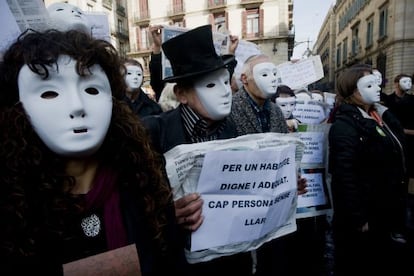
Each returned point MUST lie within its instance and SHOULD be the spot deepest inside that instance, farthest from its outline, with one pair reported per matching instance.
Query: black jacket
(367, 164)
(167, 131)
(143, 105)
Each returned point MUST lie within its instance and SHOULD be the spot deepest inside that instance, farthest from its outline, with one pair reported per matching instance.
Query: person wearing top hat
(202, 86)
(155, 67)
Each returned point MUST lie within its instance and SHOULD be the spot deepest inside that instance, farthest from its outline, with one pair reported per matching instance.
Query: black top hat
(192, 54)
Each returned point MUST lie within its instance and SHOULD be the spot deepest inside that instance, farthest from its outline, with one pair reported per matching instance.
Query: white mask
(71, 114)
(287, 104)
(378, 75)
(66, 17)
(133, 76)
(317, 97)
(265, 76)
(405, 83)
(303, 97)
(214, 93)
(369, 89)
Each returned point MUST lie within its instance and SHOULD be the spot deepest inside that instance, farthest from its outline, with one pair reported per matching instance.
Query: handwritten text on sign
(246, 193)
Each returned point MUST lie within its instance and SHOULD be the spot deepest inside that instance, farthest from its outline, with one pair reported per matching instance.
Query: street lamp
(308, 51)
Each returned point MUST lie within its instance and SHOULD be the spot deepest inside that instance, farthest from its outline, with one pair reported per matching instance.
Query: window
(122, 50)
(143, 9)
(220, 21)
(370, 32)
(383, 14)
(338, 55)
(120, 26)
(344, 50)
(178, 23)
(252, 23)
(178, 6)
(143, 39)
(355, 40)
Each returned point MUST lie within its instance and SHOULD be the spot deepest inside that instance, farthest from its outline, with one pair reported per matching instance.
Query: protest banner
(249, 188)
(301, 73)
(317, 200)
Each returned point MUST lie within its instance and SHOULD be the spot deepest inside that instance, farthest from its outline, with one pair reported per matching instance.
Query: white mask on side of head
(66, 17)
(378, 75)
(133, 76)
(214, 93)
(287, 105)
(70, 113)
(265, 76)
(406, 83)
(369, 89)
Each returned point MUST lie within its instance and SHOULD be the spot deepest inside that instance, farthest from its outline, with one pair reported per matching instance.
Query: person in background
(254, 112)
(302, 94)
(379, 79)
(401, 104)
(317, 95)
(204, 92)
(168, 100)
(367, 165)
(79, 176)
(135, 97)
(285, 98)
(402, 84)
(309, 238)
(155, 67)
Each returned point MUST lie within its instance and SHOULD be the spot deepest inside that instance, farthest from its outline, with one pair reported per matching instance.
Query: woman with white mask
(79, 177)
(367, 165)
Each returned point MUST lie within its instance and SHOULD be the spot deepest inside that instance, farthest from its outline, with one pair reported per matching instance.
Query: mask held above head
(65, 17)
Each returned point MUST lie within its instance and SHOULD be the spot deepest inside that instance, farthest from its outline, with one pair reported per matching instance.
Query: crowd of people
(84, 173)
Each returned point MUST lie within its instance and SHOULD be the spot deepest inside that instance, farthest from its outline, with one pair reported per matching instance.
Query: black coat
(143, 105)
(167, 131)
(367, 165)
(54, 251)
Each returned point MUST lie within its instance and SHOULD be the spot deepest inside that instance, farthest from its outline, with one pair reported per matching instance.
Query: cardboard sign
(123, 261)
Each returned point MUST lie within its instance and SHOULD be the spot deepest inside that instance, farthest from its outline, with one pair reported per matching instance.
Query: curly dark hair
(34, 197)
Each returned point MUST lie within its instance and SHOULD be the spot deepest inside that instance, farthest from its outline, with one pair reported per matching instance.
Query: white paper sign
(310, 111)
(212, 168)
(251, 192)
(301, 73)
(316, 192)
(314, 146)
(8, 34)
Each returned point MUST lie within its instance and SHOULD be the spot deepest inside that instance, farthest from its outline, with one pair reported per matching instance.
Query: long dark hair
(33, 198)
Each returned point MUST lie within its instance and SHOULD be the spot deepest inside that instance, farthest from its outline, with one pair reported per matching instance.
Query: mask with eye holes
(214, 92)
(265, 76)
(70, 113)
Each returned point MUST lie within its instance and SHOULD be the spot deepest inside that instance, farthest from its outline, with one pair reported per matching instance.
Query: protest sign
(317, 200)
(249, 187)
(301, 73)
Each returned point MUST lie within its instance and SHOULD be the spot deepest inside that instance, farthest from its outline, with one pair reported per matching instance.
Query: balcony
(107, 4)
(142, 18)
(120, 10)
(216, 5)
(251, 3)
(176, 10)
(121, 33)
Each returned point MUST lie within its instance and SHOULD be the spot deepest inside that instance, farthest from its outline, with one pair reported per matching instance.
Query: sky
(308, 16)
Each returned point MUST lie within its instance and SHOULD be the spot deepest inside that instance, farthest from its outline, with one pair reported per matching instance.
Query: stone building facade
(376, 32)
